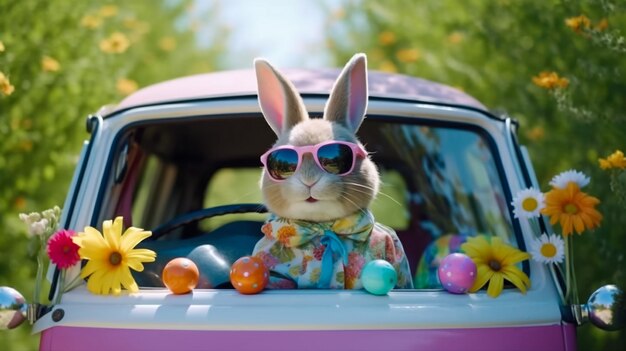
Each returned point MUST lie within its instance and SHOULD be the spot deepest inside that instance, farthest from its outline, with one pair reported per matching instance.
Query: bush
(570, 116)
(60, 61)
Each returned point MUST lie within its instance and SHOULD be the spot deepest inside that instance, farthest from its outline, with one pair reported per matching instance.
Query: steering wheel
(194, 216)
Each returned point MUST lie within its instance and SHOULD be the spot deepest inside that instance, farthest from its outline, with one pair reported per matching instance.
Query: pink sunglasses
(335, 157)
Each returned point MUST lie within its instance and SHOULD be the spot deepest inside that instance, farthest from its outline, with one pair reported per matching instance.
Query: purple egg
(457, 273)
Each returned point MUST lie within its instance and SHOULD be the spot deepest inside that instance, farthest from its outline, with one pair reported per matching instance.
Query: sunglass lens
(282, 164)
(335, 158)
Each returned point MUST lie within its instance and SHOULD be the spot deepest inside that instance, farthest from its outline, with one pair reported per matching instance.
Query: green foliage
(42, 120)
(492, 50)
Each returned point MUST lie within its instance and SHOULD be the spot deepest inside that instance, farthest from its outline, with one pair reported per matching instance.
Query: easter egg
(180, 275)
(457, 273)
(379, 277)
(249, 275)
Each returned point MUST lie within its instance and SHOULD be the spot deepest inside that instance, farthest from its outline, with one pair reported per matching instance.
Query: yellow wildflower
(615, 160)
(111, 255)
(130, 23)
(167, 43)
(536, 133)
(388, 66)
(1, 46)
(91, 21)
(578, 24)
(108, 11)
(48, 64)
(496, 262)
(408, 55)
(573, 209)
(455, 37)
(126, 86)
(117, 43)
(5, 85)
(19, 203)
(602, 25)
(550, 80)
(386, 38)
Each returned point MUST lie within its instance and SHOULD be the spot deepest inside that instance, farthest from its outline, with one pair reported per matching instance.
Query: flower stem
(61, 287)
(40, 266)
(571, 291)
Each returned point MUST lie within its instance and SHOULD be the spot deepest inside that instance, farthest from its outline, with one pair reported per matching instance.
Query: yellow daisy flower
(126, 86)
(550, 80)
(5, 85)
(572, 208)
(111, 255)
(387, 38)
(495, 262)
(108, 11)
(117, 43)
(408, 55)
(455, 37)
(578, 24)
(48, 64)
(90, 21)
(602, 25)
(614, 160)
(167, 43)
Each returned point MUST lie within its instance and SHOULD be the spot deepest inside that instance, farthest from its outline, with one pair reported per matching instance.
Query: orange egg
(249, 275)
(180, 275)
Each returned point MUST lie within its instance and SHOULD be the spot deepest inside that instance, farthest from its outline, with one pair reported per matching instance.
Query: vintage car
(181, 158)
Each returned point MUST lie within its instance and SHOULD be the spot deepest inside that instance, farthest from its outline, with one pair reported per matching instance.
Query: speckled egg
(249, 275)
(379, 277)
(457, 273)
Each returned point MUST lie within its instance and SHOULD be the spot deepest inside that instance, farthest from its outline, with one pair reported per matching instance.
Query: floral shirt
(301, 254)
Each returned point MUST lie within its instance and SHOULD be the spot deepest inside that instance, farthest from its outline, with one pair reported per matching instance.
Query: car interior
(194, 182)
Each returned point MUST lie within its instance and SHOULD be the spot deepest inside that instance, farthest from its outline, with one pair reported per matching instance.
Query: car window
(441, 183)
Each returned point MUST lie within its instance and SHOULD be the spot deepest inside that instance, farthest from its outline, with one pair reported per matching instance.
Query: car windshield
(440, 184)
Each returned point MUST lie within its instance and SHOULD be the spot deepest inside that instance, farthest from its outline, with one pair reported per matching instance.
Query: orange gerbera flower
(572, 208)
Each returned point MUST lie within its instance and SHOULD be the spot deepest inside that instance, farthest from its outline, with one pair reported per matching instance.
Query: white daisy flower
(561, 180)
(547, 249)
(528, 203)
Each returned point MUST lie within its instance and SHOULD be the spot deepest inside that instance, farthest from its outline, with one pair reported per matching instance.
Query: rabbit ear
(348, 99)
(281, 104)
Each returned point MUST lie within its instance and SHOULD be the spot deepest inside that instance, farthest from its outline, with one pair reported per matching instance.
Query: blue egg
(379, 277)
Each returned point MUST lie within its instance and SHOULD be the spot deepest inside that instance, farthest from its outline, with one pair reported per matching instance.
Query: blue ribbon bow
(334, 250)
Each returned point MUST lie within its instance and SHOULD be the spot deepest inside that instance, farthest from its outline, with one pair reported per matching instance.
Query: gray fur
(338, 196)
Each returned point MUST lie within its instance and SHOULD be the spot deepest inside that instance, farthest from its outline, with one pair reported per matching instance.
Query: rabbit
(318, 183)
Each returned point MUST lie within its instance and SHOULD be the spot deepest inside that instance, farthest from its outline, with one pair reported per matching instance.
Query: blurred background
(62, 59)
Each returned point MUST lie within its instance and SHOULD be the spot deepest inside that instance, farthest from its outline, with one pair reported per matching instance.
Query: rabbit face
(312, 193)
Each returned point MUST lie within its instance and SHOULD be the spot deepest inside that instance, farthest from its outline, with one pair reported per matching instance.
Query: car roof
(307, 81)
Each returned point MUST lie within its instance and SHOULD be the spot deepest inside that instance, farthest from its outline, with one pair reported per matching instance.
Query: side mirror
(606, 308)
(13, 308)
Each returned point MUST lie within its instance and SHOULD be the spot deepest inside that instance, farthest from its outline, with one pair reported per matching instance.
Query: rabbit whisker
(370, 188)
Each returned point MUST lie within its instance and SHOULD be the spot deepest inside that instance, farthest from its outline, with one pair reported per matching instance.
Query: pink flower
(355, 265)
(269, 260)
(62, 250)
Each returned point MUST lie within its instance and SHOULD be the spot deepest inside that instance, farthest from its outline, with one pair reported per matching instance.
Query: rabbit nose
(309, 182)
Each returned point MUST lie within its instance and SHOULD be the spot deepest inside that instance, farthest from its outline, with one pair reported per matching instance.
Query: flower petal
(483, 275)
(133, 236)
(517, 277)
(143, 255)
(496, 283)
(127, 280)
(113, 232)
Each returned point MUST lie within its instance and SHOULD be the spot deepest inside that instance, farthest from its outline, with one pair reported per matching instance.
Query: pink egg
(457, 273)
